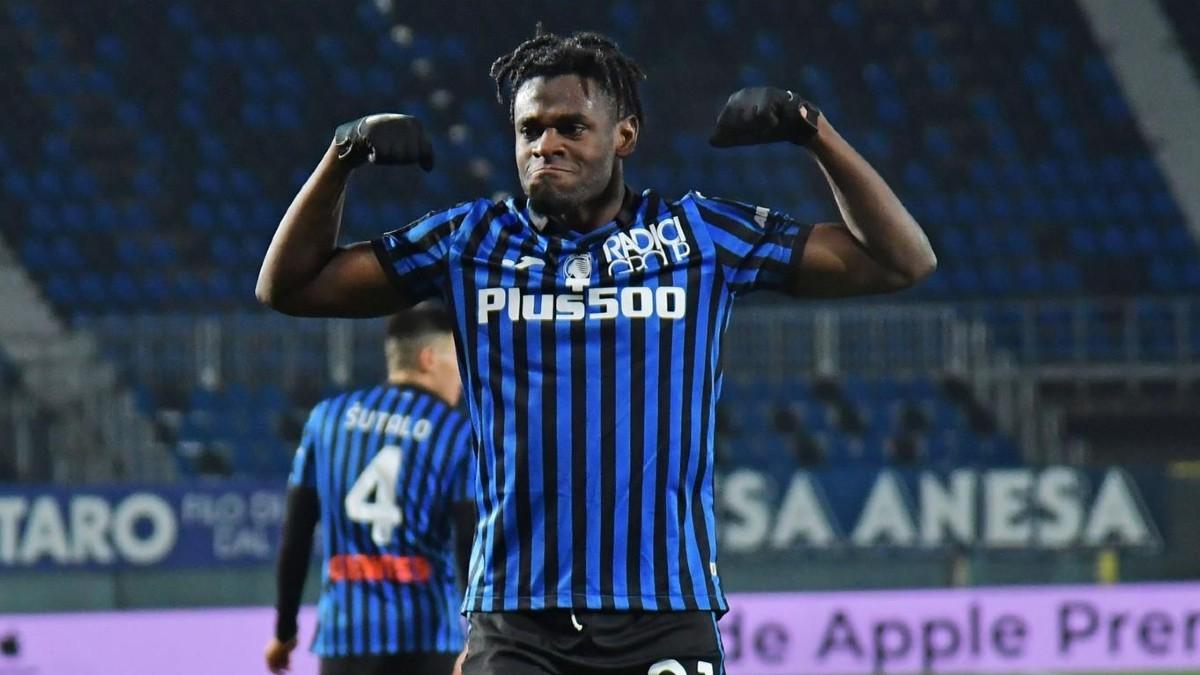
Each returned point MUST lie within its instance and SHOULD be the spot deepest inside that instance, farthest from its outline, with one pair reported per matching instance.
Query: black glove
(764, 115)
(386, 138)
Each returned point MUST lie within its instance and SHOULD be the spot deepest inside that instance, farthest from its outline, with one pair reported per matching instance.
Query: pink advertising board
(181, 642)
(1003, 630)
(1126, 628)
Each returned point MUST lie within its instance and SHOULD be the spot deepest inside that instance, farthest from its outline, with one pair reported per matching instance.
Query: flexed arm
(879, 247)
(304, 272)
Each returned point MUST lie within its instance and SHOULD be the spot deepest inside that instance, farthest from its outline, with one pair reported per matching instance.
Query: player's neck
(420, 380)
(599, 211)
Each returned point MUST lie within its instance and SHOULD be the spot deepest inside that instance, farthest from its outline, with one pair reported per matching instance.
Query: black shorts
(556, 642)
(426, 663)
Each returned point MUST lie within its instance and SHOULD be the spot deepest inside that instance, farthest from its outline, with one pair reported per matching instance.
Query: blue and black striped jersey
(387, 463)
(592, 365)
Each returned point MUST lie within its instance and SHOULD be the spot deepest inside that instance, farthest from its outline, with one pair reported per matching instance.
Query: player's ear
(427, 358)
(626, 133)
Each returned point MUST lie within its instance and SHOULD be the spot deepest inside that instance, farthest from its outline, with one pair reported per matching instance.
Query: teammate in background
(589, 319)
(389, 474)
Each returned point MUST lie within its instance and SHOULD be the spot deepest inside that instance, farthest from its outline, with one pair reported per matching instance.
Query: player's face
(567, 140)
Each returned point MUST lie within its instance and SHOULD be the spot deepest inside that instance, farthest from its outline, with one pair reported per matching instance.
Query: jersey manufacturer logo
(631, 251)
(761, 213)
(577, 271)
(525, 262)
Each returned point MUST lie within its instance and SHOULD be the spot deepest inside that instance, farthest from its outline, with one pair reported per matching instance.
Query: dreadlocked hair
(586, 54)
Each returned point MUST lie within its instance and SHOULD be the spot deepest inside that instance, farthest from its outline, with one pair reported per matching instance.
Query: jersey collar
(415, 388)
(631, 200)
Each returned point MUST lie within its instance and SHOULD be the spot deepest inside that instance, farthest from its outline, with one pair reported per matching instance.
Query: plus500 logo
(635, 302)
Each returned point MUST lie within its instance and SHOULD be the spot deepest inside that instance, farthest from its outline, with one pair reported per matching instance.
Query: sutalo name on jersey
(633, 302)
(402, 426)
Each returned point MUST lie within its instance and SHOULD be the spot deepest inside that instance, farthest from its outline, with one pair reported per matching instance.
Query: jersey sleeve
(304, 464)
(756, 246)
(414, 256)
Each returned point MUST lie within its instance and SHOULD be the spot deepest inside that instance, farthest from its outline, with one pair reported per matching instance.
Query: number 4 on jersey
(377, 483)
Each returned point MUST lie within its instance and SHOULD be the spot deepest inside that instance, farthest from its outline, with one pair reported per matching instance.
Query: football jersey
(592, 368)
(387, 464)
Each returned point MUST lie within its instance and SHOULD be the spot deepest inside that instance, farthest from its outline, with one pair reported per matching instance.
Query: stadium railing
(999, 349)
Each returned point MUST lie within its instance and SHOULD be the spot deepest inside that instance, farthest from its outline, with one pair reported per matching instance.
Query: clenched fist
(384, 138)
(757, 115)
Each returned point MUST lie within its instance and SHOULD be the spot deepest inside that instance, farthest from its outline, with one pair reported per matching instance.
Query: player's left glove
(757, 115)
(385, 138)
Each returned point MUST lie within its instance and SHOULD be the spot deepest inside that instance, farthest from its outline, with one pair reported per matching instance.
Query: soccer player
(589, 320)
(389, 473)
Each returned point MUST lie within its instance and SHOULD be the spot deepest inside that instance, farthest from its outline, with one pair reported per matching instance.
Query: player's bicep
(836, 264)
(352, 283)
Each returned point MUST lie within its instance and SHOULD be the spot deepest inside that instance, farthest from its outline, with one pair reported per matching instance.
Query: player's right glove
(385, 138)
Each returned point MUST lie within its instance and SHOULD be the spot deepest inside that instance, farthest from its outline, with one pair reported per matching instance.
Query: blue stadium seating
(241, 425)
(775, 419)
(999, 204)
(137, 190)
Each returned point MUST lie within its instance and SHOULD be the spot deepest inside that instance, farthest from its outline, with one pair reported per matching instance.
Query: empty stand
(160, 143)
